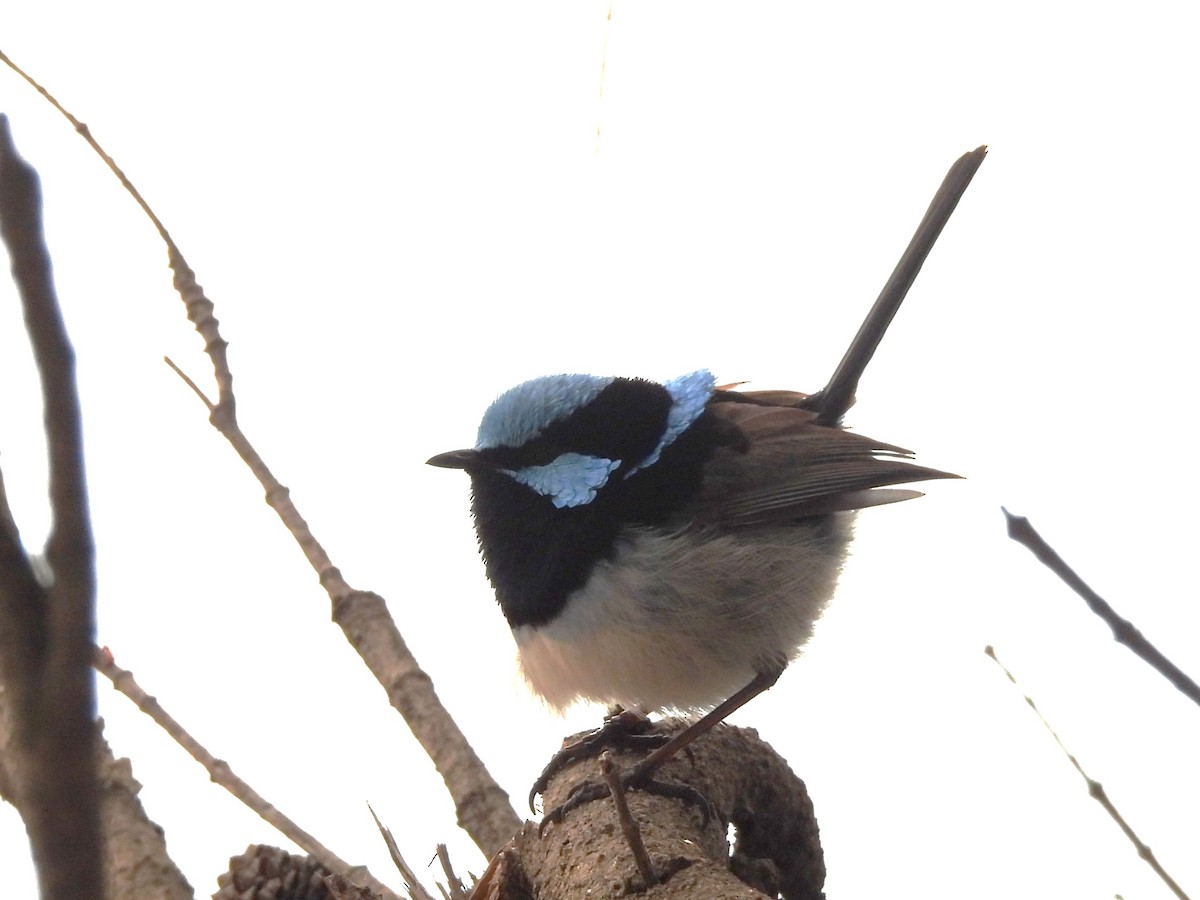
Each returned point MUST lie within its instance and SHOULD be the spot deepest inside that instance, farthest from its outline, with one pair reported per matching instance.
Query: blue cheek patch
(690, 394)
(571, 480)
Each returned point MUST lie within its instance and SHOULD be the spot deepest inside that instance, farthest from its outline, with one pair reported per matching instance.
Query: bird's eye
(537, 452)
(540, 453)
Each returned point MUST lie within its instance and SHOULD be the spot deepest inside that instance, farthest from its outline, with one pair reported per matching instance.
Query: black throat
(537, 554)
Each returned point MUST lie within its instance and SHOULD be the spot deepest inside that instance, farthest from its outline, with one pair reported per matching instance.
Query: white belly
(681, 622)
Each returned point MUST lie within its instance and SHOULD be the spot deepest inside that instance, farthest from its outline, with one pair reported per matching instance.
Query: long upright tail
(831, 402)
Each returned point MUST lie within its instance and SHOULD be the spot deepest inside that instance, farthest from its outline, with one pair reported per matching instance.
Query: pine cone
(268, 873)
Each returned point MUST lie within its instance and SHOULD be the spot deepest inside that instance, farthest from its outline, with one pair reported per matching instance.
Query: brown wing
(787, 467)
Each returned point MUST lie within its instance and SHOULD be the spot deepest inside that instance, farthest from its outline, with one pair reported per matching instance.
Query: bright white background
(403, 209)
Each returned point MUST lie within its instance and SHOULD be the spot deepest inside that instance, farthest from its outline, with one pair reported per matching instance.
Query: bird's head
(568, 437)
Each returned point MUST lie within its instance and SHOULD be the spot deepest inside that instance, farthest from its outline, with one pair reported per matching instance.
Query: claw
(636, 778)
(584, 792)
(623, 730)
(680, 791)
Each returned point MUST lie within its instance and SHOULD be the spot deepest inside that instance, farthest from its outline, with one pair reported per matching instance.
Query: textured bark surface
(136, 863)
(776, 851)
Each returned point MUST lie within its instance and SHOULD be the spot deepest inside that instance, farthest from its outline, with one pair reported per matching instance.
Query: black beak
(456, 459)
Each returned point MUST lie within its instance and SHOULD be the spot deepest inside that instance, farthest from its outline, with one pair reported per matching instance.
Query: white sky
(400, 210)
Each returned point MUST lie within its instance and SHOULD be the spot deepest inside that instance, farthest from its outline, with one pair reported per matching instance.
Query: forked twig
(482, 806)
(46, 631)
(199, 307)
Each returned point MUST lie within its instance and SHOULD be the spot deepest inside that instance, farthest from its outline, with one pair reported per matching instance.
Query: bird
(657, 545)
(669, 545)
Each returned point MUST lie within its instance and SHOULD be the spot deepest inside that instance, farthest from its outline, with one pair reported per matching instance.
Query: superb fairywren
(659, 545)
(671, 545)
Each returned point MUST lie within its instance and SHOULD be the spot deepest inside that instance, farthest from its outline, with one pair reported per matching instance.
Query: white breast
(682, 621)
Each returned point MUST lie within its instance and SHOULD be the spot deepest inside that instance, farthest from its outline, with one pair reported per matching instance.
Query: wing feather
(786, 467)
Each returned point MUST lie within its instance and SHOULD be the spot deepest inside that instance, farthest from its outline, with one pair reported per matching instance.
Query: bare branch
(1124, 631)
(199, 307)
(220, 773)
(483, 808)
(46, 633)
(136, 863)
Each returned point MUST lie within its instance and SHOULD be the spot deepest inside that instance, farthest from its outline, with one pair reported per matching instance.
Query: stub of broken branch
(777, 850)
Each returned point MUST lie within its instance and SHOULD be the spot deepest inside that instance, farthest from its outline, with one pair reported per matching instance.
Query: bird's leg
(623, 729)
(761, 682)
(639, 776)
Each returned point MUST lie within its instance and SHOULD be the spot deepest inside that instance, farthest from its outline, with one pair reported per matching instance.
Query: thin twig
(220, 773)
(199, 307)
(482, 806)
(629, 825)
(188, 381)
(1095, 788)
(46, 632)
(1124, 631)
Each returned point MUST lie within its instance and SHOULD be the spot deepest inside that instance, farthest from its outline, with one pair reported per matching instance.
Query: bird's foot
(623, 729)
(639, 778)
